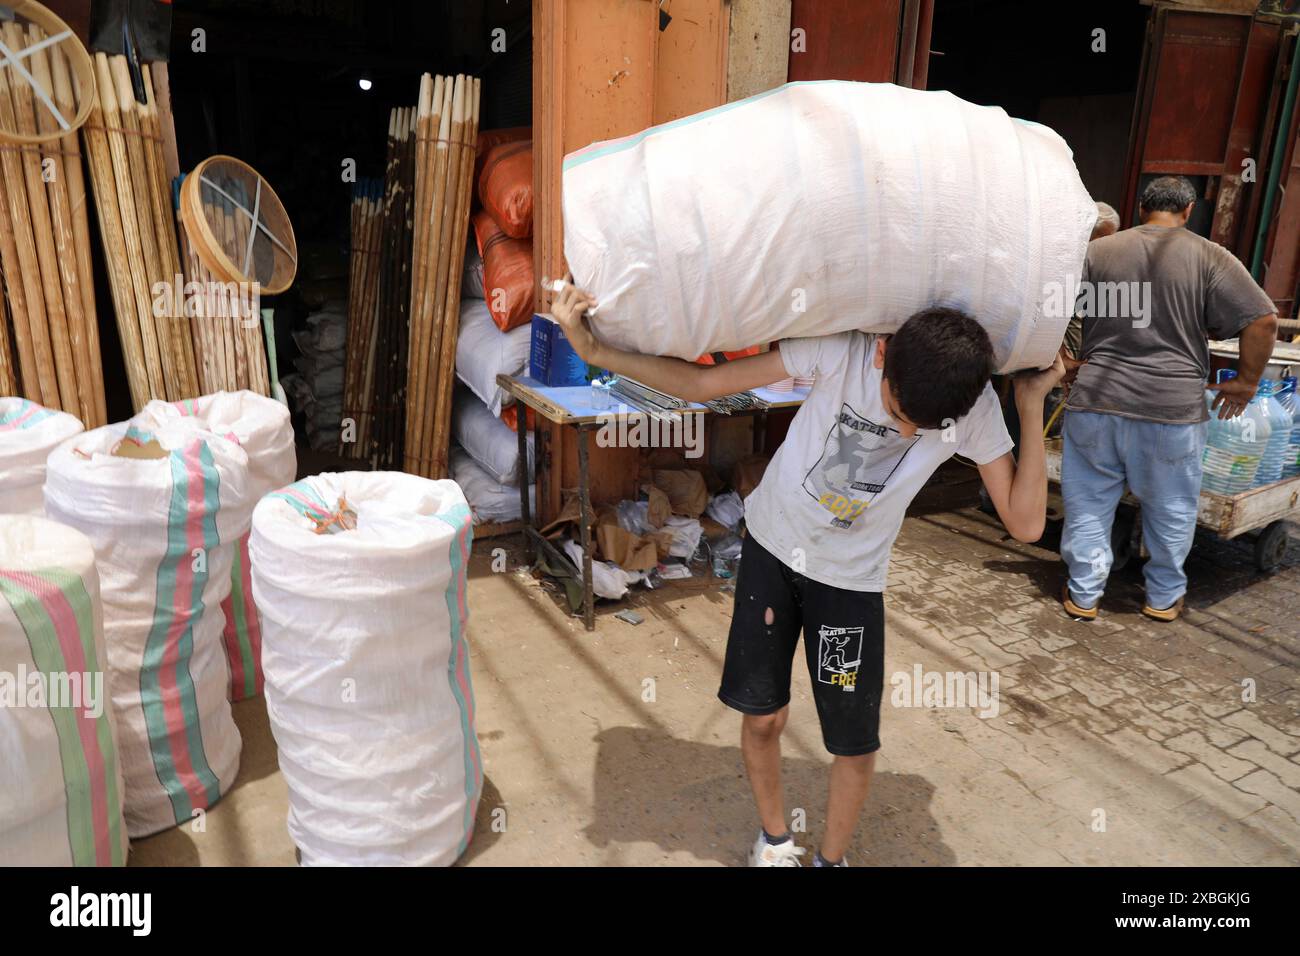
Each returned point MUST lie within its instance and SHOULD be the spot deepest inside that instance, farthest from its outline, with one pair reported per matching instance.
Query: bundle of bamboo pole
(447, 133)
(138, 226)
(224, 317)
(363, 286)
(49, 336)
(392, 315)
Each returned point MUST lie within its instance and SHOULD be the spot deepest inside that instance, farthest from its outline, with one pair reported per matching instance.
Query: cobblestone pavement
(1119, 742)
(1182, 739)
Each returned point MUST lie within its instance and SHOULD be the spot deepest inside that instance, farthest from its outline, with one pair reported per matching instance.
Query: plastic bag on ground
(367, 666)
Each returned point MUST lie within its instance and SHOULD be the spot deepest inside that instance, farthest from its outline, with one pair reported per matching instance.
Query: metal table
(571, 407)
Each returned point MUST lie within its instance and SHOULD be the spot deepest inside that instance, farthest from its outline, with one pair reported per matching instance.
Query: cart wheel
(1270, 546)
(1121, 538)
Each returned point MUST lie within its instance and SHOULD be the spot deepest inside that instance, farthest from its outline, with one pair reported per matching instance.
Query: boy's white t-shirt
(834, 496)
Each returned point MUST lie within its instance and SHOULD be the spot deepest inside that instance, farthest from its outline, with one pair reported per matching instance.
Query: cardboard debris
(629, 551)
(660, 506)
(686, 490)
(747, 474)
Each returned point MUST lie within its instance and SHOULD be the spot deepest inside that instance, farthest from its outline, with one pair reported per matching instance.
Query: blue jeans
(1161, 465)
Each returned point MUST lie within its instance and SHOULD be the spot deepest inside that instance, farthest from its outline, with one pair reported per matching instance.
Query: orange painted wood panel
(691, 70)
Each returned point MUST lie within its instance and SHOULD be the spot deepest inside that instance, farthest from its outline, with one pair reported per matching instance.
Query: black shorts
(844, 642)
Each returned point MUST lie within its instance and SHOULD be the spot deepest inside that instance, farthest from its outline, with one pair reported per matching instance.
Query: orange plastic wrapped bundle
(507, 273)
(506, 188)
(489, 138)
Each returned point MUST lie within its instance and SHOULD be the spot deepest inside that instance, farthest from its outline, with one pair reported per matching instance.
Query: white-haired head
(1107, 221)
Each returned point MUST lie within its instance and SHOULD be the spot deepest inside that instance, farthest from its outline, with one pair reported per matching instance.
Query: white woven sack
(164, 531)
(61, 787)
(262, 427)
(488, 439)
(367, 666)
(28, 433)
(821, 207)
(483, 352)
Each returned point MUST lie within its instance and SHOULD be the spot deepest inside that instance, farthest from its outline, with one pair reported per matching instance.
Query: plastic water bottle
(1279, 439)
(1234, 447)
(1291, 402)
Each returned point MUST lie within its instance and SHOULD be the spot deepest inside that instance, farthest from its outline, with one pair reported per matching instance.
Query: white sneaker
(782, 854)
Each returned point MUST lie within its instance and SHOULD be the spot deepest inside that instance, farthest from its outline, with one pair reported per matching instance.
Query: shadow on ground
(684, 797)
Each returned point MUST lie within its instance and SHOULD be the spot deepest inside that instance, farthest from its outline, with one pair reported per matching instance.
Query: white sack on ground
(28, 433)
(260, 426)
(164, 531)
(489, 500)
(487, 438)
(367, 666)
(822, 207)
(483, 352)
(61, 786)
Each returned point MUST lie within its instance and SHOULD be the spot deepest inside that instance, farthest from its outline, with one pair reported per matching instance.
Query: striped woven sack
(261, 426)
(28, 433)
(61, 789)
(163, 512)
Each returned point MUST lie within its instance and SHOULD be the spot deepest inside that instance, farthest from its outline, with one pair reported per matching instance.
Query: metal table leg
(525, 512)
(584, 493)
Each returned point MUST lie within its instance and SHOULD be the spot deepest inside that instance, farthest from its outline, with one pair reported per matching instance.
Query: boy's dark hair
(1168, 194)
(937, 364)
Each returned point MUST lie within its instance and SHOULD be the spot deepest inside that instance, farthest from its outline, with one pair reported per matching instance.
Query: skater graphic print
(858, 459)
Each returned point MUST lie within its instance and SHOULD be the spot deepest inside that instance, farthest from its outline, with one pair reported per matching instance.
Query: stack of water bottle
(1257, 447)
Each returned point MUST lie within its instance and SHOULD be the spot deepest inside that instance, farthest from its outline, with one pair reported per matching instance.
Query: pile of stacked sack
(317, 387)
(495, 315)
(143, 589)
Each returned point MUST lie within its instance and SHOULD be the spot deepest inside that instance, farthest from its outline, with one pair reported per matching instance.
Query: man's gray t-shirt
(1174, 291)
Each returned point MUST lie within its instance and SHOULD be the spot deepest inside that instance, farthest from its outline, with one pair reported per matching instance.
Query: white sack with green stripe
(60, 783)
(28, 433)
(360, 578)
(165, 524)
(260, 426)
(822, 207)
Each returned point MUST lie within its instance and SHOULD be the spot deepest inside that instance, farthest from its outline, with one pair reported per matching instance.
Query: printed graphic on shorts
(859, 458)
(839, 653)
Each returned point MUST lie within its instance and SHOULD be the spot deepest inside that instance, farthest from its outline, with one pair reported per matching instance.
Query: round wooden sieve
(57, 109)
(238, 226)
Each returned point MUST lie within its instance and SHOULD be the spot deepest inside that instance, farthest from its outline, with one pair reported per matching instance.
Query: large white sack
(822, 207)
(488, 439)
(28, 433)
(489, 500)
(164, 532)
(367, 666)
(483, 352)
(262, 427)
(60, 786)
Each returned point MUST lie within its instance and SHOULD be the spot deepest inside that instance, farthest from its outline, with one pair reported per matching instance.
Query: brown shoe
(1164, 614)
(1073, 610)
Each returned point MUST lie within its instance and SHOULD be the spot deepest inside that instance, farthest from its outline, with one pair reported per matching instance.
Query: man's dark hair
(937, 364)
(1168, 194)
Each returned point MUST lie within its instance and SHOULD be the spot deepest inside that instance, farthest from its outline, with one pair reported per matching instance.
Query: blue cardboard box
(552, 360)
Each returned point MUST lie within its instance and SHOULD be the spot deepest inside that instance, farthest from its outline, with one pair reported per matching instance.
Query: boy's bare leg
(760, 744)
(850, 783)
